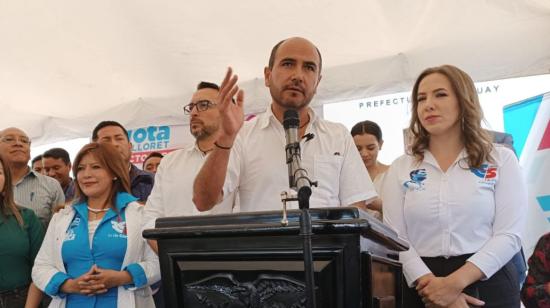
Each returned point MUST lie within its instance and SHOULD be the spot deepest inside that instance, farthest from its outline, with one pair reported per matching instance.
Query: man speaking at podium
(251, 157)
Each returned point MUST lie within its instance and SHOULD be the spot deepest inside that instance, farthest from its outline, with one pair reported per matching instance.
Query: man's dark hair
(36, 158)
(152, 154)
(103, 124)
(207, 85)
(274, 54)
(58, 153)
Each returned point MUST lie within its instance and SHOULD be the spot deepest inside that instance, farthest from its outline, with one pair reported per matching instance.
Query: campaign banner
(529, 122)
(161, 138)
(157, 138)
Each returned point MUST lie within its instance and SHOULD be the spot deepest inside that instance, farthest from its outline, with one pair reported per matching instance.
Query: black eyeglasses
(201, 106)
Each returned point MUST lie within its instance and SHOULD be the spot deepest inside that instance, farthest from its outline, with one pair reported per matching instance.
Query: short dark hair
(36, 158)
(58, 153)
(207, 85)
(152, 154)
(103, 124)
(274, 54)
(367, 127)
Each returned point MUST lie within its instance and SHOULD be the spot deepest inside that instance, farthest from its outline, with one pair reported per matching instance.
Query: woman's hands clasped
(96, 281)
(444, 292)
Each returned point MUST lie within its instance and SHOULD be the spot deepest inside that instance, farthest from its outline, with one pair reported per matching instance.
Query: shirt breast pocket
(326, 171)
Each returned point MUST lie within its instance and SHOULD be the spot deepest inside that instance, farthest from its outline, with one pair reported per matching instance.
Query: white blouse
(378, 181)
(92, 226)
(460, 211)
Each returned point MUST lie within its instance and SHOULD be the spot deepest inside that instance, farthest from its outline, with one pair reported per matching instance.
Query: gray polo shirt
(39, 193)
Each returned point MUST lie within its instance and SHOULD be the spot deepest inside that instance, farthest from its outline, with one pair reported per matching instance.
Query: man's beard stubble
(205, 132)
(278, 99)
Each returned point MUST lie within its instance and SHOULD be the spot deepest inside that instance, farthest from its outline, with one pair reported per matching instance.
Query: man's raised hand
(231, 110)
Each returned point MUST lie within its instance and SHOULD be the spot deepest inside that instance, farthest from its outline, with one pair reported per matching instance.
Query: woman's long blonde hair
(7, 201)
(477, 141)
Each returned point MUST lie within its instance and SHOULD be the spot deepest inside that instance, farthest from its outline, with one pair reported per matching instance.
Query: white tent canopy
(65, 65)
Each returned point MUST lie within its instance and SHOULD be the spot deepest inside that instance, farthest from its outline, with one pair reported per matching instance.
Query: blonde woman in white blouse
(458, 200)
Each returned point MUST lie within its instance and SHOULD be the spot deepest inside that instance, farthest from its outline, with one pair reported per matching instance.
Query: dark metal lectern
(250, 260)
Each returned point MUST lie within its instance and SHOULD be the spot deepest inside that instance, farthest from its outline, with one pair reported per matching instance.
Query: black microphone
(291, 123)
(297, 176)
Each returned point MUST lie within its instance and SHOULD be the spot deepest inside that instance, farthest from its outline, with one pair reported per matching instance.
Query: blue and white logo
(119, 226)
(418, 176)
(70, 235)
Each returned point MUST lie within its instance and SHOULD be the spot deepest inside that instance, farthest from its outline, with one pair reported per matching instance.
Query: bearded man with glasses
(173, 192)
(32, 190)
(172, 195)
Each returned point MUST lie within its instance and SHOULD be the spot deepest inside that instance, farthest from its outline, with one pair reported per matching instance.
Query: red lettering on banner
(139, 157)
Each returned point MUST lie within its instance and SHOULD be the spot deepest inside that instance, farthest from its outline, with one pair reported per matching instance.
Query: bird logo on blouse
(119, 226)
(70, 235)
(487, 173)
(417, 177)
(74, 223)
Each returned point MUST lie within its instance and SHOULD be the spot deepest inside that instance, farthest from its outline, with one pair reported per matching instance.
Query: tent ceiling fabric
(65, 65)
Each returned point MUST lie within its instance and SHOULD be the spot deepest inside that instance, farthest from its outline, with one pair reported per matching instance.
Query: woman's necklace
(96, 211)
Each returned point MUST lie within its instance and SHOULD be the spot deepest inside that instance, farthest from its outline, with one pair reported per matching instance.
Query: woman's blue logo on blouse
(487, 173)
(417, 177)
(119, 226)
(75, 223)
(70, 234)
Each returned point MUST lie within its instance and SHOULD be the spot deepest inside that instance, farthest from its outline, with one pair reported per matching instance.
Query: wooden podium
(251, 260)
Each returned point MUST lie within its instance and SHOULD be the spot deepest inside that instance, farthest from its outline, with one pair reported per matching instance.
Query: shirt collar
(121, 201)
(268, 117)
(430, 159)
(195, 148)
(30, 173)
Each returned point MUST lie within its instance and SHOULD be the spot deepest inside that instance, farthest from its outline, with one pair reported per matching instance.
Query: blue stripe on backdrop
(544, 202)
(518, 119)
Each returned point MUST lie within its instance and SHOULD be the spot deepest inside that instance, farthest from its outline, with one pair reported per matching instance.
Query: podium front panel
(250, 260)
(265, 271)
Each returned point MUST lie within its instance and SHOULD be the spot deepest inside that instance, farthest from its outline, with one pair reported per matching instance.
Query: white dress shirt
(172, 194)
(456, 212)
(258, 169)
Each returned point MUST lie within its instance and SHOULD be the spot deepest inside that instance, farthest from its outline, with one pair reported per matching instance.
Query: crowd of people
(455, 196)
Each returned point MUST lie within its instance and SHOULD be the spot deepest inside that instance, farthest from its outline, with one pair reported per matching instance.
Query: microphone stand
(299, 180)
(306, 233)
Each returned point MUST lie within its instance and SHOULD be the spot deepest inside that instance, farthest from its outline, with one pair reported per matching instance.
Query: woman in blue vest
(93, 254)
